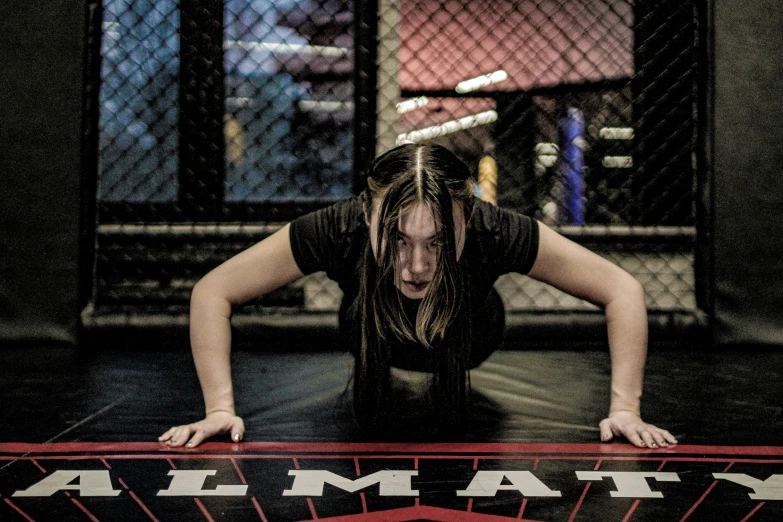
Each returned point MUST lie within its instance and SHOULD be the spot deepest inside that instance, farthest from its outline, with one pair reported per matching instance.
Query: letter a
(91, 484)
(487, 484)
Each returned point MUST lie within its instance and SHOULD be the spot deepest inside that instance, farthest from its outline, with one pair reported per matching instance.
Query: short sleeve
(321, 239)
(507, 240)
(518, 242)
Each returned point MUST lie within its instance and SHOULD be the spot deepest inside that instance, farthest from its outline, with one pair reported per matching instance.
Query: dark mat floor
(724, 407)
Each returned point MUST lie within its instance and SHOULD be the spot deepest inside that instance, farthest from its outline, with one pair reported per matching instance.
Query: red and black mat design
(363, 482)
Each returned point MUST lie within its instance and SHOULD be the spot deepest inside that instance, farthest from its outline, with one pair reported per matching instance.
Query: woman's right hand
(191, 435)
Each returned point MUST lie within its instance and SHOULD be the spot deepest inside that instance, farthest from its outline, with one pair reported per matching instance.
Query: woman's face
(418, 246)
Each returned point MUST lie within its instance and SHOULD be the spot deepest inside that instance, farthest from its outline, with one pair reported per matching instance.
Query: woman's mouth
(416, 287)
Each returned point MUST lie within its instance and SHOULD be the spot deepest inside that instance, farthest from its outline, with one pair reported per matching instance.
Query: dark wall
(748, 172)
(41, 72)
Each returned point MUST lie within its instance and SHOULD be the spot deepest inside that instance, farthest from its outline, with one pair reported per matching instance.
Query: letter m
(310, 482)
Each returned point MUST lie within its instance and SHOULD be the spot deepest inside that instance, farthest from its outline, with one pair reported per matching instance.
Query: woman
(416, 256)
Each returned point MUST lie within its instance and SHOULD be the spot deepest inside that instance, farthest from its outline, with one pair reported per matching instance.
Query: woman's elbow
(205, 291)
(628, 287)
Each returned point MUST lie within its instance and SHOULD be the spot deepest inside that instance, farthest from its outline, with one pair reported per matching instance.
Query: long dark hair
(413, 174)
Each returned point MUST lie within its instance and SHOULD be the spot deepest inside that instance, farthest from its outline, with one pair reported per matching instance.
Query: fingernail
(236, 437)
(189, 444)
(643, 444)
(654, 445)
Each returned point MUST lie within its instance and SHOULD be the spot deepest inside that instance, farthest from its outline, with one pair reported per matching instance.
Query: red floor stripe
(701, 499)
(522, 509)
(259, 510)
(38, 465)
(203, 509)
(15, 508)
(171, 463)
(582, 497)
(747, 517)
(309, 500)
(133, 495)
(416, 466)
(579, 503)
(638, 501)
(312, 508)
(80, 506)
(236, 467)
(203, 456)
(524, 502)
(419, 513)
(143, 507)
(470, 505)
(364, 447)
(359, 474)
(630, 511)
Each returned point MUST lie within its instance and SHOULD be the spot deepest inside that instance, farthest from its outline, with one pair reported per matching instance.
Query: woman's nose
(420, 262)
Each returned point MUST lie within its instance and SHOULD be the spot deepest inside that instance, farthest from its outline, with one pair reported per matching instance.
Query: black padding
(748, 172)
(41, 85)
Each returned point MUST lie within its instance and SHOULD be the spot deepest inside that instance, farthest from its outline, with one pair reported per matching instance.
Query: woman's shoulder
(489, 218)
(349, 213)
(329, 239)
(507, 237)
(342, 217)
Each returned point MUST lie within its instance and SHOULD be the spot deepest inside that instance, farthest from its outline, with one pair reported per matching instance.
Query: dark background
(42, 51)
(47, 170)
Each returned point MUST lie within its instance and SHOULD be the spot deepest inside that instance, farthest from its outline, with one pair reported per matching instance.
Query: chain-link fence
(220, 120)
(580, 113)
(139, 101)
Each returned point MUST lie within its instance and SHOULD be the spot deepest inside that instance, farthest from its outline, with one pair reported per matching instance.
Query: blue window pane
(289, 91)
(139, 96)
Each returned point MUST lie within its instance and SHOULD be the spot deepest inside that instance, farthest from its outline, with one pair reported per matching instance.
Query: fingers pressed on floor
(635, 439)
(649, 440)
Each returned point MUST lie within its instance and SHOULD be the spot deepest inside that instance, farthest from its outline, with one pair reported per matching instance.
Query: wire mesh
(231, 114)
(289, 100)
(139, 101)
(578, 113)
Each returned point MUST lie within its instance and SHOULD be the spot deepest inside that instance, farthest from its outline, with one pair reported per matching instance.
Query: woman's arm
(260, 269)
(586, 275)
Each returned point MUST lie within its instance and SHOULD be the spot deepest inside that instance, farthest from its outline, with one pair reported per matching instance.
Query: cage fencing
(221, 120)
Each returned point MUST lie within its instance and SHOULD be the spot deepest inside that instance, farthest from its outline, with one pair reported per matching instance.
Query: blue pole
(572, 127)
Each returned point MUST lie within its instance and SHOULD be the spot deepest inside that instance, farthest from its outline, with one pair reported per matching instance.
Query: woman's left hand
(633, 428)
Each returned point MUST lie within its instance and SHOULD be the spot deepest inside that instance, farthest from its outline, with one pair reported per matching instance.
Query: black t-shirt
(497, 242)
